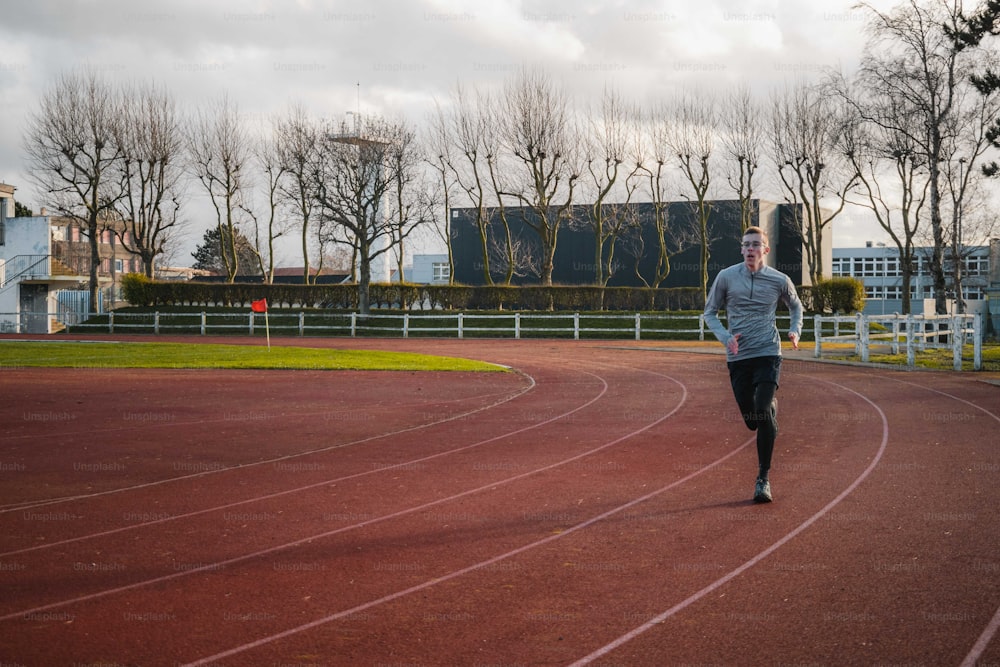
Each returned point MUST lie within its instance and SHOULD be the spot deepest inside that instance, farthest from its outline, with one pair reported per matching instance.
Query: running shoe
(762, 491)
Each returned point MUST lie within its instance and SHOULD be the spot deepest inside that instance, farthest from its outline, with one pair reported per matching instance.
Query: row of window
(133, 265)
(76, 235)
(890, 267)
(925, 292)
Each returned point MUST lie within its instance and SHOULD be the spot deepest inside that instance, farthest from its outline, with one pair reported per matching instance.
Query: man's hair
(756, 230)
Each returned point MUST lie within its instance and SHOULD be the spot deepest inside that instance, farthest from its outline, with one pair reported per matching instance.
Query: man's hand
(734, 344)
(794, 337)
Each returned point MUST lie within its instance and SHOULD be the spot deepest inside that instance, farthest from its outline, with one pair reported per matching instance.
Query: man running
(749, 292)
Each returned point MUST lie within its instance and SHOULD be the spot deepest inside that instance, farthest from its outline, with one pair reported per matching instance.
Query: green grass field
(188, 355)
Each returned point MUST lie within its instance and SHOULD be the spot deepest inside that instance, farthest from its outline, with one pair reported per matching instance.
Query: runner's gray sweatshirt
(750, 300)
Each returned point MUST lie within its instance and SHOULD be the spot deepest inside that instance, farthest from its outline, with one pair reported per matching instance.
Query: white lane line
(491, 561)
(684, 604)
(993, 626)
(305, 540)
(245, 466)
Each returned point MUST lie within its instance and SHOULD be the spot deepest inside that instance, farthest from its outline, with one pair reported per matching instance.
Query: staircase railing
(20, 266)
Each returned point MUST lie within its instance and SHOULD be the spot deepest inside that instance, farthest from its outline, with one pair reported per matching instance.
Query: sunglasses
(752, 244)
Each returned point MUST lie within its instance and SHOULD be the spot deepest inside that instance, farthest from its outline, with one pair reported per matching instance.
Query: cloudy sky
(397, 57)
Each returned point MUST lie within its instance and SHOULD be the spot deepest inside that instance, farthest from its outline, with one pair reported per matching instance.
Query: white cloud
(401, 55)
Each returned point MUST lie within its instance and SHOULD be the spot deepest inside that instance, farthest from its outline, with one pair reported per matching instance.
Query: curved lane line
(334, 480)
(680, 606)
(55, 501)
(385, 517)
(993, 626)
(491, 561)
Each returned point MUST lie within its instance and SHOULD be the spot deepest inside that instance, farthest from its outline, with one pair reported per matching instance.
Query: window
(977, 266)
(441, 273)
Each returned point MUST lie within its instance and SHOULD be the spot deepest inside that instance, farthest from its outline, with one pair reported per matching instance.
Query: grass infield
(190, 355)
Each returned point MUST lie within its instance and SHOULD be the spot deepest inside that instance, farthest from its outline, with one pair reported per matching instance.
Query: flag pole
(260, 306)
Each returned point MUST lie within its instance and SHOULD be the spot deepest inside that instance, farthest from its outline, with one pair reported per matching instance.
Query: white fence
(914, 332)
(513, 325)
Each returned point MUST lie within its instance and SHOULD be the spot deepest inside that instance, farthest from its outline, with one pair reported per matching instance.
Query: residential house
(45, 266)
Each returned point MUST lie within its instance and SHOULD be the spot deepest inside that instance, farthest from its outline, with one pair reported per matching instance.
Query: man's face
(754, 247)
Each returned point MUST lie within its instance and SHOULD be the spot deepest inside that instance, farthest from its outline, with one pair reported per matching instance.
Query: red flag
(259, 306)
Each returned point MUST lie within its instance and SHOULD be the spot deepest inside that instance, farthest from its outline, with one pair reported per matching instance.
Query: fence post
(861, 337)
(957, 339)
(461, 333)
(517, 326)
(894, 347)
(977, 342)
(576, 326)
(111, 322)
(156, 322)
(203, 323)
(354, 325)
(406, 325)
(818, 334)
(251, 324)
(911, 358)
(302, 323)
(638, 321)
(701, 327)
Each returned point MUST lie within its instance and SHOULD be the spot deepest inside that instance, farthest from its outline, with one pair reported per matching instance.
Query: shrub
(837, 295)
(136, 289)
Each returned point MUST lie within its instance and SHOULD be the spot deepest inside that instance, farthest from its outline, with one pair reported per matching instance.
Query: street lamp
(957, 249)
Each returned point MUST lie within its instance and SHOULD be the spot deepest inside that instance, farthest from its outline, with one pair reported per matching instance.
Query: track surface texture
(590, 507)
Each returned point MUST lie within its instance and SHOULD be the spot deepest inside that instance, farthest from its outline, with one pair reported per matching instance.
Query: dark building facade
(636, 252)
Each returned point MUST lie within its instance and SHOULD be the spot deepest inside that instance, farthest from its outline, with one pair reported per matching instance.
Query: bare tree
(499, 163)
(462, 133)
(150, 137)
(516, 257)
(267, 157)
(72, 153)
(805, 126)
(968, 141)
(691, 137)
(653, 157)
(410, 204)
(440, 155)
(297, 142)
(539, 132)
(915, 55)
(352, 177)
(606, 145)
(742, 134)
(892, 177)
(220, 153)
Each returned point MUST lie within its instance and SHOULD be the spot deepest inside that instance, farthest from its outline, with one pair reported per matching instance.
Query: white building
(878, 267)
(28, 284)
(429, 270)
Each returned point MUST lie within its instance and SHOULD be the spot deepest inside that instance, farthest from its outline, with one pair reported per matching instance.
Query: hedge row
(140, 291)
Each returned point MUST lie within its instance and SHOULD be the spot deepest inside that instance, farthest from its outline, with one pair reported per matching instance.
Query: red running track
(591, 507)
